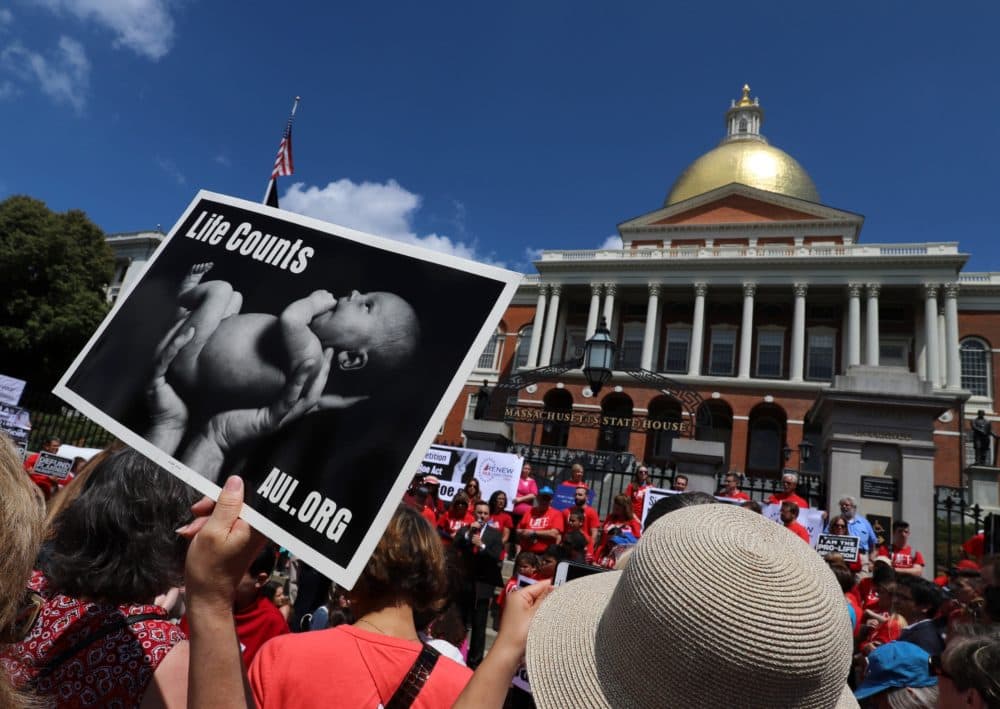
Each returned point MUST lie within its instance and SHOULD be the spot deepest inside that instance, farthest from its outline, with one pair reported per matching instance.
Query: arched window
(523, 345)
(976, 366)
(766, 442)
(490, 358)
(613, 436)
(721, 429)
(662, 409)
(556, 433)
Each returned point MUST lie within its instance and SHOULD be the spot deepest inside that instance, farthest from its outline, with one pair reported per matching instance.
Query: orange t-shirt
(347, 667)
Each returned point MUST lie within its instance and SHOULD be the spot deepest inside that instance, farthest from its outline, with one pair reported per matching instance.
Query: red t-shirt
(538, 521)
(868, 593)
(738, 495)
(902, 558)
(448, 526)
(975, 546)
(501, 521)
(590, 519)
(637, 493)
(627, 525)
(779, 497)
(799, 531)
(429, 515)
(347, 667)
(255, 625)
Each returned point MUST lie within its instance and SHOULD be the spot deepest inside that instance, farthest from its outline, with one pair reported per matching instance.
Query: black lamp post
(805, 451)
(598, 357)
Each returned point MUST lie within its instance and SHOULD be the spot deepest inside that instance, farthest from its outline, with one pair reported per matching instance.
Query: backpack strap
(415, 679)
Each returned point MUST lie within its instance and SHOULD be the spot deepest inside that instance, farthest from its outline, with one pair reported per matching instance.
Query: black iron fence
(51, 416)
(955, 522)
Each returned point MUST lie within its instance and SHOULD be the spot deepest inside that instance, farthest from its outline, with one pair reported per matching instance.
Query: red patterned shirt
(107, 653)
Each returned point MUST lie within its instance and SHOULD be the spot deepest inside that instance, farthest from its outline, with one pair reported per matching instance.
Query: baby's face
(359, 321)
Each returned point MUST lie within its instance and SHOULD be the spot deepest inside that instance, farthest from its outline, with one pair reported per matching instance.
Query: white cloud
(612, 242)
(171, 169)
(386, 209)
(532, 254)
(144, 26)
(223, 160)
(7, 90)
(64, 75)
(6, 17)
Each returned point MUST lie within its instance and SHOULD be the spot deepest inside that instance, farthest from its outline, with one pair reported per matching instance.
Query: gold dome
(744, 156)
(752, 163)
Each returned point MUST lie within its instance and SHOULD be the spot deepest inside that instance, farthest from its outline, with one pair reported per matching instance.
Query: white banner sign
(494, 471)
(811, 519)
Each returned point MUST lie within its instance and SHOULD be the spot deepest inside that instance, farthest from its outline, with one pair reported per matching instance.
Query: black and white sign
(845, 545)
(316, 361)
(16, 423)
(453, 467)
(52, 466)
(879, 488)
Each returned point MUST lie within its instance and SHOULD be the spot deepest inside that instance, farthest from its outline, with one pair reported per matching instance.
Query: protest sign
(565, 496)
(846, 545)
(11, 389)
(453, 467)
(53, 466)
(811, 519)
(654, 495)
(316, 361)
(16, 423)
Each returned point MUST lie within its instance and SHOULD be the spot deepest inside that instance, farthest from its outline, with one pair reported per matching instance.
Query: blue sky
(495, 129)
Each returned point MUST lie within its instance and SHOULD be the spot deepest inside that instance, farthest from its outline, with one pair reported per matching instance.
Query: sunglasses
(936, 668)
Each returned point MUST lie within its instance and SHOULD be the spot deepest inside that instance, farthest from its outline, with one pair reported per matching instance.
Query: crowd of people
(127, 591)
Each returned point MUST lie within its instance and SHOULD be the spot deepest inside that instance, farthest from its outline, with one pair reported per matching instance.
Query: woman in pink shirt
(527, 489)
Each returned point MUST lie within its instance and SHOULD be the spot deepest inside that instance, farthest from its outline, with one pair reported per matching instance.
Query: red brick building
(745, 287)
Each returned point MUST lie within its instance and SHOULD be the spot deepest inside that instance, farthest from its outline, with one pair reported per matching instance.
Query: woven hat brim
(847, 700)
(562, 657)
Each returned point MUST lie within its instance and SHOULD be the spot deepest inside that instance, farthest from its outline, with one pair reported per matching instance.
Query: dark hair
(264, 563)
(576, 512)
(671, 503)
(408, 565)
(753, 506)
(526, 557)
(493, 501)
(575, 541)
(924, 592)
(116, 543)
(794, 507)
(339, 616)
(882, 573)
(448, 626)
(270, 589)
(972, 661)
(900, 524)
(461, 497)
(553, 551)
(845, 577)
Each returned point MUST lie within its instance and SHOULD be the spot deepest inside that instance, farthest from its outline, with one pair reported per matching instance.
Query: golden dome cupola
(744, 156)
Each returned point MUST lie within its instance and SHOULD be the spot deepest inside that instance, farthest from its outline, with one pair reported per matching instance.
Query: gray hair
(790, 474)
(912, 698)
(848, 498)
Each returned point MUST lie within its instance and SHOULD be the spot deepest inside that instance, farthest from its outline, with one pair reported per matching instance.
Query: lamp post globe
(805, 451)
(599, 357)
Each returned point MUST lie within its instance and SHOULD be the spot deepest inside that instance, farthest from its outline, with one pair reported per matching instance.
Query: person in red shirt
(419, 498)
(636, 490)
(591, 522)
(975, 547)
(789, 516)
(457, 516)
(731, 488)
(621, 519)
(46, 484)
(575, 523)
(904, 559)
(542, 526)
(789, 481)
(575, 477)
(499, 517)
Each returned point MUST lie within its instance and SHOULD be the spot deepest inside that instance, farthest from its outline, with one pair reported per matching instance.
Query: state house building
(744, 287)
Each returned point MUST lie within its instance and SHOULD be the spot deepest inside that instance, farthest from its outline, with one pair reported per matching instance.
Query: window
(765, 442)
(630, 351)
(820, 355)
(770, 351)
(678, 346)
(894, 352)
(490, 358)
(470, 405)
(743, 125)
(573, 341)
(523, 345)
(720, 361)
(975, 359)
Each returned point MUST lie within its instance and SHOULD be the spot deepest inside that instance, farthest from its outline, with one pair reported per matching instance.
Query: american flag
(283, 164)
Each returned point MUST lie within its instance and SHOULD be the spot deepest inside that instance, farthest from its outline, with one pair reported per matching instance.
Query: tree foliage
(54, 272)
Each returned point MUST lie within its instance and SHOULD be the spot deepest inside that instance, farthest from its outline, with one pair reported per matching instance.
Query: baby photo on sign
(313, 360)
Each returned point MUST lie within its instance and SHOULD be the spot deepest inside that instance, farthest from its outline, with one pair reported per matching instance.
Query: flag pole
(283, 157)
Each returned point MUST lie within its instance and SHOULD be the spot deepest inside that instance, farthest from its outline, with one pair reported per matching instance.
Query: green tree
(54, 272)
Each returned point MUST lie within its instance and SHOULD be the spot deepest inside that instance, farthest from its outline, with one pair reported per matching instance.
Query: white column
(595, 307)
(649, 334)
(942, 349)
(853, 324)
(545, 357)
(954, 365)
(931, 334)
(536, 328)
(609, 302)
(798, 332)
(871, 325)
(697, 330)
(746, 330)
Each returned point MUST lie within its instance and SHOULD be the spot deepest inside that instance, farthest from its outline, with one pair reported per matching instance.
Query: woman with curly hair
(98, 639)
(373, 657)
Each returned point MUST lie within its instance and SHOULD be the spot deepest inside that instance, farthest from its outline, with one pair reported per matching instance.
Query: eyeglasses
(936, 668)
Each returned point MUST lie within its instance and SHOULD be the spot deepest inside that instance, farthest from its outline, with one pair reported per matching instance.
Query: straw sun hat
(717, 607)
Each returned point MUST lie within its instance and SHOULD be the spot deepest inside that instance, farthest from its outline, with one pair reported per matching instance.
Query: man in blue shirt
(858, 526)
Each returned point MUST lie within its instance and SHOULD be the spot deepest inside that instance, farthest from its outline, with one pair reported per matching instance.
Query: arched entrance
(612, 437)
(720, 414)
(766, 440)
(556, 433)
(659, 443)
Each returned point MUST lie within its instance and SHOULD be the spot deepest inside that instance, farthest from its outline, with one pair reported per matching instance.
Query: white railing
(983, 279)
(763, 251)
